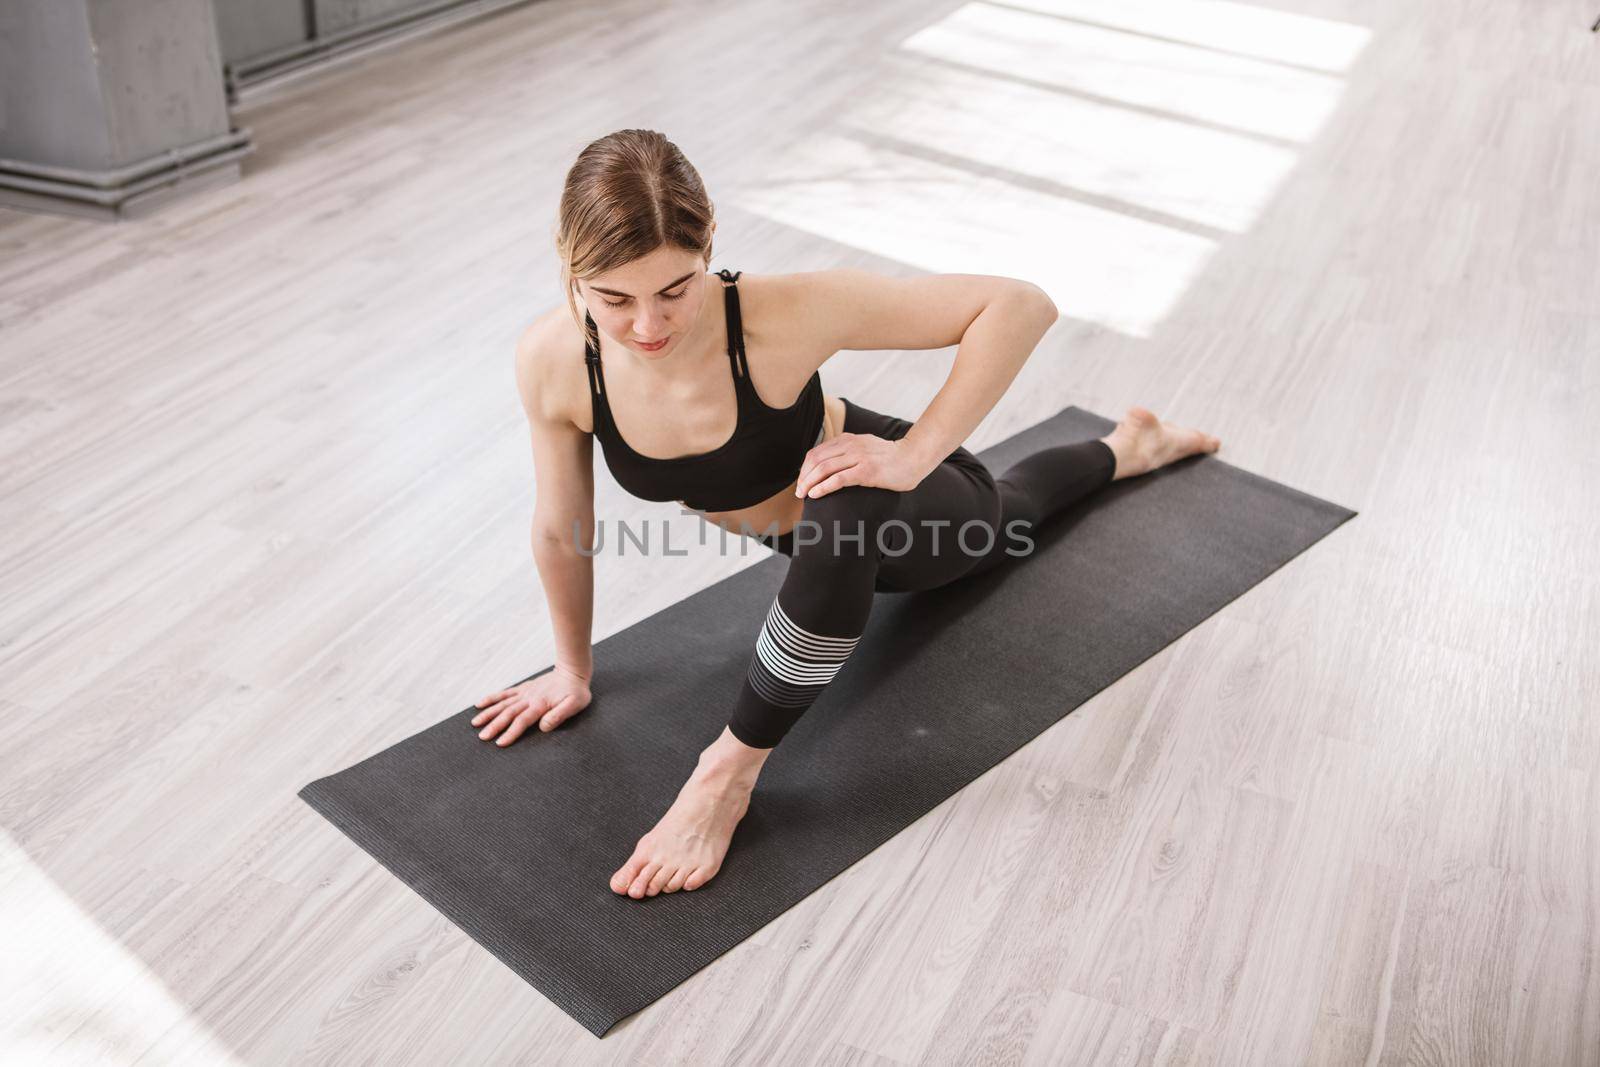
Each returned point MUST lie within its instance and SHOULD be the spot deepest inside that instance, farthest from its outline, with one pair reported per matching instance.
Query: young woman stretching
(858, 500)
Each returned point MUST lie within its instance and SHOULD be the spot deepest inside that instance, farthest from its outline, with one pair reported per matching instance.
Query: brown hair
(628, 193)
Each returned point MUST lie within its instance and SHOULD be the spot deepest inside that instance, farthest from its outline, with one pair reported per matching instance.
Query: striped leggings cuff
(788, 671)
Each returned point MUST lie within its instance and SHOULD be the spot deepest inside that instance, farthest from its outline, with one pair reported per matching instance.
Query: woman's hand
(549, 700)
(861, 459)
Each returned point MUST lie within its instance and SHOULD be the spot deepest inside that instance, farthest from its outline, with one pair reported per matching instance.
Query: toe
(679, 876)
(641, 883)
(662, 877)
(628, 872)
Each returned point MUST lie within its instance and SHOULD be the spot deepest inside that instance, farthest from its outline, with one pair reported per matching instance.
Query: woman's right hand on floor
(549, 700)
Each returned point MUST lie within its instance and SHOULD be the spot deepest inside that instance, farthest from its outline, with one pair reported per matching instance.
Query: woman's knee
(848, 520)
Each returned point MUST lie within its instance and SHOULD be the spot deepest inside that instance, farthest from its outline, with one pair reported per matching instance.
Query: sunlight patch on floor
(1225, 25)
(1098, 148)
(1099, 266)
(1248, 94)
(72, 994)
(1147, 163)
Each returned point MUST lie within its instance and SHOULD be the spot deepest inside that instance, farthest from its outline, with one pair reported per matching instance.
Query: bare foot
(1143, 443)
(686, 847)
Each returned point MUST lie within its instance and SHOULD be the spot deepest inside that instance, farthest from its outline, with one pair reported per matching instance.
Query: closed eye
(619, 303)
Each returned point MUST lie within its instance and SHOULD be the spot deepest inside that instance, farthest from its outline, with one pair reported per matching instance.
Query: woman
(858, 500)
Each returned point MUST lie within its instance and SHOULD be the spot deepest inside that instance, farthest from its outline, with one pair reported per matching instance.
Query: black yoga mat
(516, 845)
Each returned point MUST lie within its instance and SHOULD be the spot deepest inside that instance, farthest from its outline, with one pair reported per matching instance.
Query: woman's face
(655, 298)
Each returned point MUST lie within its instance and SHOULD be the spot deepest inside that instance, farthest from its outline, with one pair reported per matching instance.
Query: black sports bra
(762, 457)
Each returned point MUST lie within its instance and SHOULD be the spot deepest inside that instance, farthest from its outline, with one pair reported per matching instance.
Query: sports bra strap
(736, 353)
(591, 354)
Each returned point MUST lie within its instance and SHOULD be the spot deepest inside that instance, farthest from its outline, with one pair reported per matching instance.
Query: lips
(653, 344)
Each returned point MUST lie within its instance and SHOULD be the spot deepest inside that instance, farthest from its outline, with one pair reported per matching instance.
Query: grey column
(110, 108)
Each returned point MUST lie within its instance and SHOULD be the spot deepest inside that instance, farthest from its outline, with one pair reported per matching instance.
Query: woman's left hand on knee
(861, 459)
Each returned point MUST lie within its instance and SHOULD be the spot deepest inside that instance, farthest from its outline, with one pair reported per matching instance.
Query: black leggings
(859, 540)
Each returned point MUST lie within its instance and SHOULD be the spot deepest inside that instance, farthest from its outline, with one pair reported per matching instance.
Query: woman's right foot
(1143, 443)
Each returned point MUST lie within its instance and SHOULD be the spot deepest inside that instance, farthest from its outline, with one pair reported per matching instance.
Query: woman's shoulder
(794, 309)
(551, 375)
(767, 309)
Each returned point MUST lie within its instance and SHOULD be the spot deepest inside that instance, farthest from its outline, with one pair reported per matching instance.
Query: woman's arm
(568, 579)
(996, 322)
(563, 514)
(992, 349)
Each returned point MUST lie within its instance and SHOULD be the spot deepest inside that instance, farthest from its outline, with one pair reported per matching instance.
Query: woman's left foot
(1142, 443)
(687, 846)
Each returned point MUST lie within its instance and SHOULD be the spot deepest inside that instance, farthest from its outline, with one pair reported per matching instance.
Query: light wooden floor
(266, 491)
